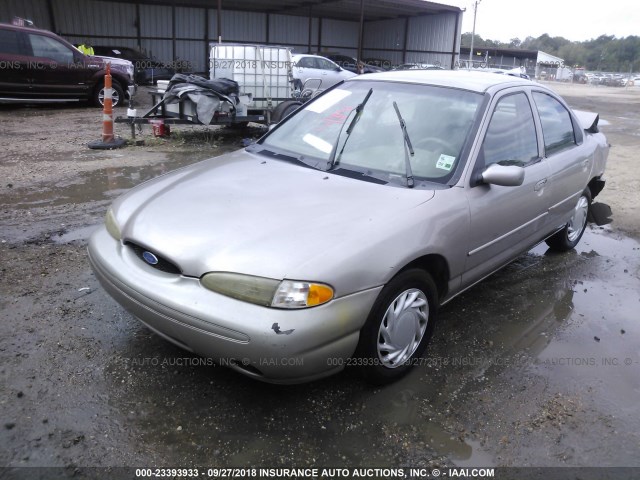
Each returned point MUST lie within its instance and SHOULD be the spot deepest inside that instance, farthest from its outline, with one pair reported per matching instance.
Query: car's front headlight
(112, 225)
(268, 292)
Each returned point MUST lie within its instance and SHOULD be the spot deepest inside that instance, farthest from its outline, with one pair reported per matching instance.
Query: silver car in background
(317, 73)
(336, 237)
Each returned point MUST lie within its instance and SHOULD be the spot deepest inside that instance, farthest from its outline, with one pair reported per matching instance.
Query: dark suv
(148, 69)
(38, 66)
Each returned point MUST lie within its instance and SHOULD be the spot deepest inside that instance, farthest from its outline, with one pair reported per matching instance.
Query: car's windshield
(438, 121)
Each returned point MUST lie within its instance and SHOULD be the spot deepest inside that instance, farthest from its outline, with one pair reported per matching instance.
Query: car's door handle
(540, 184)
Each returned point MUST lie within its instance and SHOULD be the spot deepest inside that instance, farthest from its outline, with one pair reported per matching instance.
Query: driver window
(50, 48)
(326, 64)
(511, 136)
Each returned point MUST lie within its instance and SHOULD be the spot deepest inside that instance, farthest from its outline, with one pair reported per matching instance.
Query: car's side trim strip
(502, 237)
(561, 202)
(37, 100)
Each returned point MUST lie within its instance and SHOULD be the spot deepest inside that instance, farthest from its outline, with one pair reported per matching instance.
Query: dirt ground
(538, 366)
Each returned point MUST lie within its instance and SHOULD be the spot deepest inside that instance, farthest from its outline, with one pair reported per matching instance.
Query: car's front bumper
(279, 346)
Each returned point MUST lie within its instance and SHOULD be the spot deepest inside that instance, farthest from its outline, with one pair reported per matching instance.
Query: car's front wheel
(399, 327)
(570, 235)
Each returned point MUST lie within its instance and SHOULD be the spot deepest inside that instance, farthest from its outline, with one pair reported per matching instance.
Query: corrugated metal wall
(338, 33)
(432, 33)
(429, 38)
(288, 30)
(240, 26)
(34, 10)
(385, 34)
(103, 19)
(189, 22)
(155, 21)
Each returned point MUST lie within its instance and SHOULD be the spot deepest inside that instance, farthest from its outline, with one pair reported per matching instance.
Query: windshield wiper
(407, 147)
(333, 159)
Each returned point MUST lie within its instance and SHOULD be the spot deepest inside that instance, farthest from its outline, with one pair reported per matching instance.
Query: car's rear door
(568, 157)
(306, 68)
(506, 220)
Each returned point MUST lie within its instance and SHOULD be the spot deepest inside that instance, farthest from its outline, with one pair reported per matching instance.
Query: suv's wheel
(399, 327)
(117, 95)
(570, 235)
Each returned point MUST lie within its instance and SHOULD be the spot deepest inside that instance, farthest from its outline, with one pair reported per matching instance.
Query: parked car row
(351, 64)
(611, 79)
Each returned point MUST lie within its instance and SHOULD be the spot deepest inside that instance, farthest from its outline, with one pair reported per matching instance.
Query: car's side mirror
(506, 176)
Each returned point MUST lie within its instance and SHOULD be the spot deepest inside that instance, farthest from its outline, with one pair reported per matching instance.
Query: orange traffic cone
(108, 140)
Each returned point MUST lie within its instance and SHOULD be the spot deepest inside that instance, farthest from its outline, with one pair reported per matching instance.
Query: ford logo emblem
(150, 258)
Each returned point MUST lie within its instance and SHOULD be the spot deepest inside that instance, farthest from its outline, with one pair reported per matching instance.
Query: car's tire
(567, 238)
(117, 95)
(398, 328)
(283, 110)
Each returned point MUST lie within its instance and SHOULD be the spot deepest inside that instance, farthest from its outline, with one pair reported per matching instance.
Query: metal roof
(336, 9)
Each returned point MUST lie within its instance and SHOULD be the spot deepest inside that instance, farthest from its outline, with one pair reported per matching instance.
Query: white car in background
(317, 73)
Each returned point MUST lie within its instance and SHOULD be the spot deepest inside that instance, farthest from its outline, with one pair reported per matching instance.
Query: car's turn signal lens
(295, 294)
(112, 225)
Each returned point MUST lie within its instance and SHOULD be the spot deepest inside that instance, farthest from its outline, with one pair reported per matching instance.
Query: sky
(572, 19)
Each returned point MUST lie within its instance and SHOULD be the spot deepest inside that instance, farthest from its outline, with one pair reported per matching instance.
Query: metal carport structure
(398, 30)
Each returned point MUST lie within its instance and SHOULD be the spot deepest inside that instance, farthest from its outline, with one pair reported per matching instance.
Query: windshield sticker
(328, 100)
(445, 162)
(318, 143)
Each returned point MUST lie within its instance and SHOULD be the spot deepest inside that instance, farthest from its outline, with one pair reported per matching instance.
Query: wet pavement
(539, 365)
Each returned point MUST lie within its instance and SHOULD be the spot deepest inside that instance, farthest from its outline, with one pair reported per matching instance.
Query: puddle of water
(101, 184)
(599, 342)
(79, 234)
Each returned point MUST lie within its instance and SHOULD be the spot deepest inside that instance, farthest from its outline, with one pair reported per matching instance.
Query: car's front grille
(163, 264)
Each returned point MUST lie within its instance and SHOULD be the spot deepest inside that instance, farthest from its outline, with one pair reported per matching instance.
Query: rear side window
(511, 136)
(307, 62)
(10, 42)
(557, 128)
(47, 47)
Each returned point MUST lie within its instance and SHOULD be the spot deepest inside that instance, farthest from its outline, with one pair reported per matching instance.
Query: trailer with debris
(247, 83)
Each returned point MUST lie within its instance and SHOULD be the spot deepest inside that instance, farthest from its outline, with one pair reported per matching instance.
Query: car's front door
(55, 69)
(330, 72)
(506, 220)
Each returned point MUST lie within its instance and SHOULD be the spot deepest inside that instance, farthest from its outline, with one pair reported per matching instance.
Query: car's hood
(113, 60)
(246, 213)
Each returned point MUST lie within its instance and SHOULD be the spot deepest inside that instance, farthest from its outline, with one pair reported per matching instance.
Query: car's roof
(27, 29)
(306, 55)
(468, 80)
